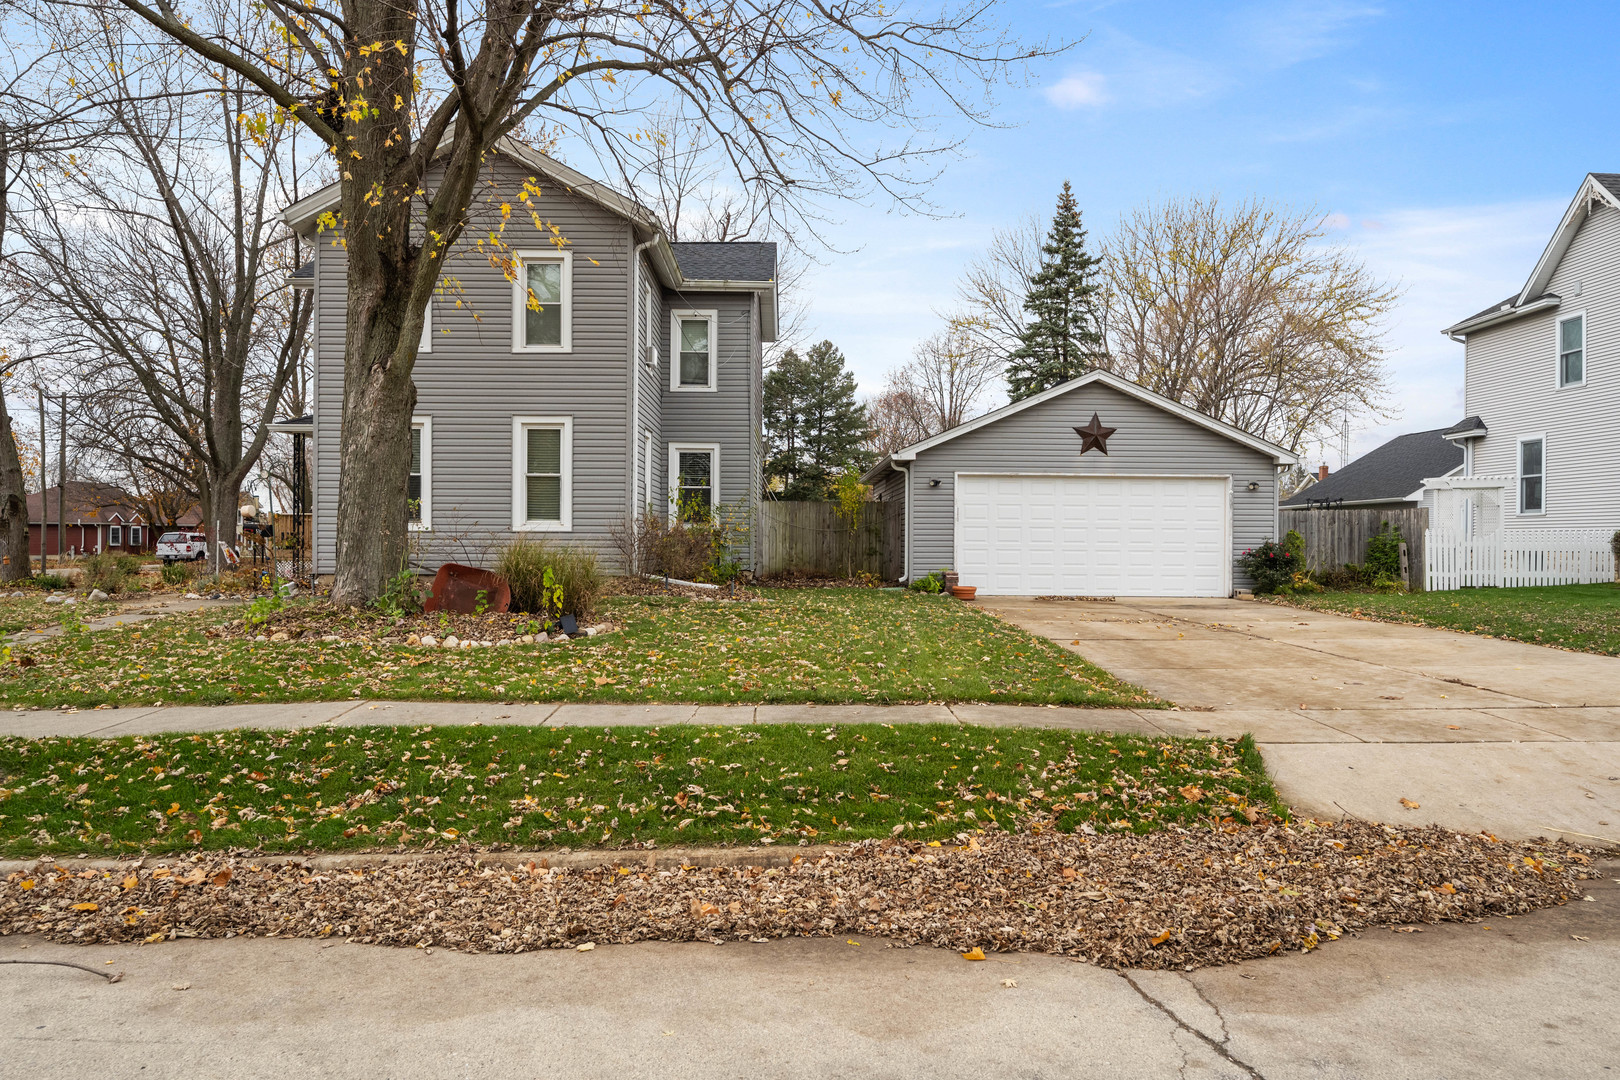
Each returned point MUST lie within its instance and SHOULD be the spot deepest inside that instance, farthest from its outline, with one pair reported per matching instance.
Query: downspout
(906, 546)
(633, 427)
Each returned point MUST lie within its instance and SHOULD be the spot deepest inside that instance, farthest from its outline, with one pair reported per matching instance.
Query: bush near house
(1272, 566)
(575, 582)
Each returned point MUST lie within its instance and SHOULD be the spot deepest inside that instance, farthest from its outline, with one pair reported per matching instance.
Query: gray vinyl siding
(1041, 439)
(726, 416)
(472, 384)
(1511, 382)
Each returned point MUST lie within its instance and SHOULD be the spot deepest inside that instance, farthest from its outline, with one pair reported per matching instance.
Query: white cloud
(1078, 91)
(1292, 31)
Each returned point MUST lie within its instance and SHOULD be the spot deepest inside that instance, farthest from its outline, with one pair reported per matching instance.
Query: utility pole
(44, 486)
(61, 484)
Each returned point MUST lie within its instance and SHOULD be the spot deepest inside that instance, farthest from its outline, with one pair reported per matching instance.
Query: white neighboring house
(1541, 389)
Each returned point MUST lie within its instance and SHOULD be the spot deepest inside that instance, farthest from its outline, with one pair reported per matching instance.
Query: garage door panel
(1128, 536)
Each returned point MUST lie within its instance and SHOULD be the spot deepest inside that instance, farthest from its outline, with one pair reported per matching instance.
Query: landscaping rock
(452, 642)
(590, 631)
(280, 635)
(97, 594)
(18, 595)
(53, 599)
(260, 637)
(69, 601)
(527, 639)
(192, 596)
(428, 640)
(413, 640)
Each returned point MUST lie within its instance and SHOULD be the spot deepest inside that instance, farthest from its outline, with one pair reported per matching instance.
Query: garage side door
(1092, 535)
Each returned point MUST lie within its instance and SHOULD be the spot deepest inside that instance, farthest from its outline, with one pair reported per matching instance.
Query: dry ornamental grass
(1178, 898)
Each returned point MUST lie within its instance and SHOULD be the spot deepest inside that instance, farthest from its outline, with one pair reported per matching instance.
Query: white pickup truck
(182, 546)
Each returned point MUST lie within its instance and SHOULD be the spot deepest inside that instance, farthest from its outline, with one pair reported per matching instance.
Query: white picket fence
(1515, 558)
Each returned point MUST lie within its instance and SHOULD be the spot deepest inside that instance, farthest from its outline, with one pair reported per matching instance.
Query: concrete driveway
(1355, 716)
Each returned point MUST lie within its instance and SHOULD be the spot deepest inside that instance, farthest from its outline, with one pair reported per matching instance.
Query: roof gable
(1124, 386)
(1598, 189)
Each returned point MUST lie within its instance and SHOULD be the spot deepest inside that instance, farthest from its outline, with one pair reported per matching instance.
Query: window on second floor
(1532, 475)
(1572, 350)
(542, 302)
(692, 345)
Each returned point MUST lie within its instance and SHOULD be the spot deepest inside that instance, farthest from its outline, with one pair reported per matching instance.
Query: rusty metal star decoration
(1094, 436)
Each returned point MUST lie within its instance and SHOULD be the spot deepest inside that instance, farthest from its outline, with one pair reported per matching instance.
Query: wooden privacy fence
(1336, 537)
(1515, 558)
(810, 538)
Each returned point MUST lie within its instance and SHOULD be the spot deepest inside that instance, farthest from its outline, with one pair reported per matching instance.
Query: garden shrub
(175, 573)
(1295, 543)
(130, 564)
(1348, 576)
(51, 581)
(1384, 553)
(551, 579)
(932, 583)
(1303, 583)
(103, 571)
(1271, 565)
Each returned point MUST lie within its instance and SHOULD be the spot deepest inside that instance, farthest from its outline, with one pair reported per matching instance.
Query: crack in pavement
(1220, 1048)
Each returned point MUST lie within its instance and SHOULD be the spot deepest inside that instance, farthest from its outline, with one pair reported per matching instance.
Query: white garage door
(1093, 535)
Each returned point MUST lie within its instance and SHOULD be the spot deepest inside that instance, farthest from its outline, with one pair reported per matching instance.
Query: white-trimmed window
(419, 488)
(1533, 474)
(543, 301)
(135, 536)
(1572, 349)
(692, 350)
(115, 536)
(694, 480)
(542, 467)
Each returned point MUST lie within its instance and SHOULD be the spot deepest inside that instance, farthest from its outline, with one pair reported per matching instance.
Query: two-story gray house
(1541, 388)
(636, 376)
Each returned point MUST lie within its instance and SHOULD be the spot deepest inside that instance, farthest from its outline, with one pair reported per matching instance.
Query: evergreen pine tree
(1063, 339)
(813, 423)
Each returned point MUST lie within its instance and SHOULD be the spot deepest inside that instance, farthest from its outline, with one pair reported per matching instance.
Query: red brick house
(98, 517)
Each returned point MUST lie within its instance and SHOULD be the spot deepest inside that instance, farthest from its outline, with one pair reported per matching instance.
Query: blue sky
(1442, 140)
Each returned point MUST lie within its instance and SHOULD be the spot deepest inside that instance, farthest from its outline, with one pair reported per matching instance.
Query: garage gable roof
(1113, 382)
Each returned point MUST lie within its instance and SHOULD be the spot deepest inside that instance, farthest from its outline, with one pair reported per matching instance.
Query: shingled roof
(730, 261)
(1391, 473)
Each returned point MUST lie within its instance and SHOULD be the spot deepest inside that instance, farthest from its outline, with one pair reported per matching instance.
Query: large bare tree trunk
(15, 561)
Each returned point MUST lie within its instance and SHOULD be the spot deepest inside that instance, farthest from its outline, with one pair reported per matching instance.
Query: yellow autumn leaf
(1161, 939)
(975, 953)
(29, 884)
(131, 881)
(1410, 805)
(87, 907)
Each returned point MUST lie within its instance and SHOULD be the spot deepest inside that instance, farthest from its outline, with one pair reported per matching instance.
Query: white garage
(1096, 487)
(1094, 535)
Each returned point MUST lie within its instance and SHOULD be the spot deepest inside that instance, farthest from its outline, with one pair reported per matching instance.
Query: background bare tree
(157, 264)
(794, 92)
(947, 381)
(1246, 314)
(993, 287)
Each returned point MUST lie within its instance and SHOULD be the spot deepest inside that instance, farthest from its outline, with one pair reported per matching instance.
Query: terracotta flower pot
(964, 592)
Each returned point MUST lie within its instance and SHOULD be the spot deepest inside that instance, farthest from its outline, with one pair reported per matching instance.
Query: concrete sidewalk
(1510, 998)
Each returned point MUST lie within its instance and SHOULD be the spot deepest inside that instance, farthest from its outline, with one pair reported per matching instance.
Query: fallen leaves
(975, 953)
(1177, 898)
(1410, 805)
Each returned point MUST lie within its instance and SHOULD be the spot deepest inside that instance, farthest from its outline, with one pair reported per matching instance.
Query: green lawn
(31, 612)
(1585, 618)
(795, 645)
(584, 787)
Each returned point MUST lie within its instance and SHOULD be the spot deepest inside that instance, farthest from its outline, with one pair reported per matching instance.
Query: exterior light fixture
(1254, 485)
(934, 482)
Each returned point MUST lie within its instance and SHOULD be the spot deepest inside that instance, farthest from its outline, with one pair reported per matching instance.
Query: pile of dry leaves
(1173, 899)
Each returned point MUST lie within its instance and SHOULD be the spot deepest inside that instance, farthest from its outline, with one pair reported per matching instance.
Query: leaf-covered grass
(1585, 618)
(373, 787)
(31, 612)
(824, 645)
